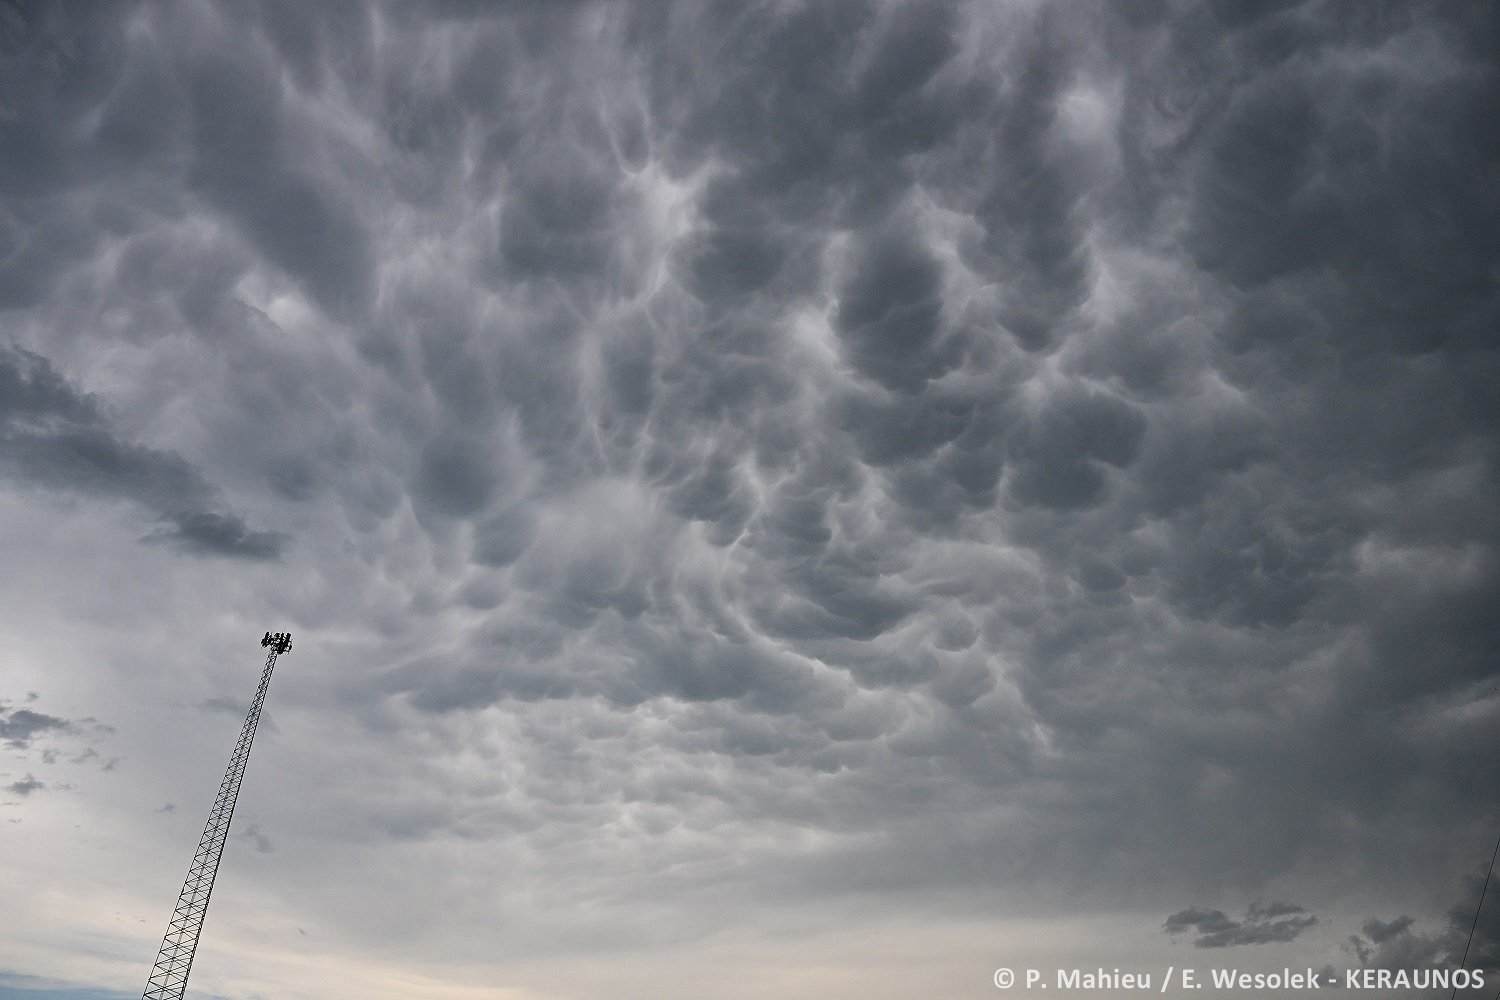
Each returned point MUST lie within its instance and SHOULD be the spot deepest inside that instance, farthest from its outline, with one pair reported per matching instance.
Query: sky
(771, 498)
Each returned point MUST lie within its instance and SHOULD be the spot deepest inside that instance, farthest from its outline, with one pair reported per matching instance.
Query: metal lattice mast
(175, 960)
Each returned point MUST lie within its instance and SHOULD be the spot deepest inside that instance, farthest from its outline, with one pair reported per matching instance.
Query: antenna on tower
(175, 959)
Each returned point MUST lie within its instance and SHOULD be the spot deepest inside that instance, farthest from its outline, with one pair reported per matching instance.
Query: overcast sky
(771, 498)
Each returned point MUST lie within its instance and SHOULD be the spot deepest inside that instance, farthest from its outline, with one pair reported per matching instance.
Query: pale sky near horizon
(771, 498)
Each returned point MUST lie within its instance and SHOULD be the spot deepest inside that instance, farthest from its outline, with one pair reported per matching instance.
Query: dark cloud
(245, 163)
(19, 728)
(28, 785)
(1061, 456)
(931, 446)
(208, 534)
(1030, 211)
(557, 220)
(238, 709)
(453, 478)
(47, 737)
(890, 310)
(1263, 923)
(257, 839)
(1197, 918)
(1081, 369)
(1270, 911)
(55, 437)
(1469, 937)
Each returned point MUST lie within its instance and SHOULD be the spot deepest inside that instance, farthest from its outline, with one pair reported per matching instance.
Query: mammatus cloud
(1262, 924)
(747, 457)
(919, 393)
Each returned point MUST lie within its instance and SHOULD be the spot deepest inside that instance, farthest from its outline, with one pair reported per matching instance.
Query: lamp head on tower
(279, 641)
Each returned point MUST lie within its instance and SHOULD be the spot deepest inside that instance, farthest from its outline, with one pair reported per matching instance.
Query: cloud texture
(722, 458)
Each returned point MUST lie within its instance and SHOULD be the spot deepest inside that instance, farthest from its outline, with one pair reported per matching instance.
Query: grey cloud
(25, 787)
(890, 311)
(1269, 911)
(55, 437)
(1381, 931)
(1178, 444)
(242, 165)
(890, 428)
(502, 538)
(936, 446)
(1262, 924)
(1061, 453)
(716, 493)
(19, 728)
(89, 460)
(727, 262)
(257, 839)
(557, 220)
(238, 709)
(453, 478)
(70, 63)
(1356, 225)
(32, 732)
(1030, 213)
(1402, 943)
(1260, 933)
(217, 118)
(1197, 918)
(228, 705)
(209, 534)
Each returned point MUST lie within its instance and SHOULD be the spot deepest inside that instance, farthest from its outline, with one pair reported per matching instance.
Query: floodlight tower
(175, 959)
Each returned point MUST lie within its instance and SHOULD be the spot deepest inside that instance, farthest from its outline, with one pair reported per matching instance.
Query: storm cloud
(723, 460)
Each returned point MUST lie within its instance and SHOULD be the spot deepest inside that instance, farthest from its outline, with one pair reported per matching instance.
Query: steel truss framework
(175, 959)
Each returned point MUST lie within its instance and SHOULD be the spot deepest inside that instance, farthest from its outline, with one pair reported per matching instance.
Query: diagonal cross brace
(174, 961)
